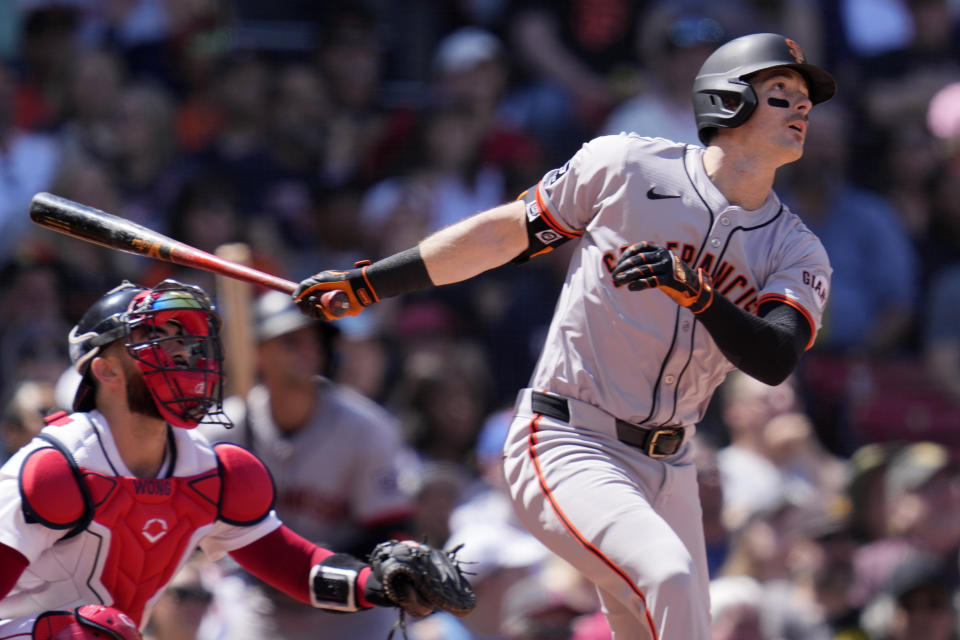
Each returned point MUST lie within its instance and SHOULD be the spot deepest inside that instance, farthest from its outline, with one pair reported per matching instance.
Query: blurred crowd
(318, 133)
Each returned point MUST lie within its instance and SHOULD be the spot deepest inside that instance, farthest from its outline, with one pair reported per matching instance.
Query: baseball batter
(101, 509)
(687, 265)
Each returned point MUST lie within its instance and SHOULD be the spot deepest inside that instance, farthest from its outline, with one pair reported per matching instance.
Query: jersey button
(669, 379)
(715, 242)
(725, 221)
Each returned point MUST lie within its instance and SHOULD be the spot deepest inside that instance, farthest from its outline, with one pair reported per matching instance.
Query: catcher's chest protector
(144, 524)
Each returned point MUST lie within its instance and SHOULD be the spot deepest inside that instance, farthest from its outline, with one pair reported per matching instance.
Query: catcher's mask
(726, 75)
(183, 369)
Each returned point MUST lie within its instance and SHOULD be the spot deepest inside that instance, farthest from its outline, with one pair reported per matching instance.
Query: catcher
(105, 504)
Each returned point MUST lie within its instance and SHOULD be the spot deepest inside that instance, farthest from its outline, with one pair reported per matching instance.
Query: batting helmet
(726, 73)
(185, 391)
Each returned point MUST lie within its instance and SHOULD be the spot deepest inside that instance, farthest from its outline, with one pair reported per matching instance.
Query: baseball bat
(99, 227)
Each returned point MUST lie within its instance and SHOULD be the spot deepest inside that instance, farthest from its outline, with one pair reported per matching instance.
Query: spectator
(96, 82)
(918, 602)
(350, 60)
(941, 247)
(366, 357)
(715, 532)
(446, 180)
(499, 551)
(921, 516)
(23, 411)
(47, 49)
(573, 60)
(446, 397)
(867, 491)
(941, 336)
(674, 46)
(471, 68)
(812, 600)
(750, 480)
(550, 603)
(148, 172)
(239, 149)
(31, 317)
(899, 83)
(28, 164)
(735, 603)
(943, 118)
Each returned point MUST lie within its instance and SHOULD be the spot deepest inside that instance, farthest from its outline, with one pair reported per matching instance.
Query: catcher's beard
(139, 398)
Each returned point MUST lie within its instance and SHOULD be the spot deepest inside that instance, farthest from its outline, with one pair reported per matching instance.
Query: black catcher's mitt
(421, 579)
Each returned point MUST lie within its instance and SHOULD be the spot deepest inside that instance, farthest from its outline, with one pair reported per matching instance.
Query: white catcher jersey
(68, 573)
(637, 354)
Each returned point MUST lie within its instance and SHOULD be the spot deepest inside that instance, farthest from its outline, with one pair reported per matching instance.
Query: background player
(101, 509)
(335, 456)
(687, 265)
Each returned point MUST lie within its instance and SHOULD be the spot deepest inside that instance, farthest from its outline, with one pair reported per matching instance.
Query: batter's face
(778, 126)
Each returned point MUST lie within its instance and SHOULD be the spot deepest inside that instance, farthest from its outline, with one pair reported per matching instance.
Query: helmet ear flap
(728, 107)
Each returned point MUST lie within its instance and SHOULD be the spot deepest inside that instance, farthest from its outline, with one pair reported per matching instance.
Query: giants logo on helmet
(795, 51)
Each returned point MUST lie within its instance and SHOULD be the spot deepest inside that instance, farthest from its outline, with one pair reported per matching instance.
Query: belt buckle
(655, 436)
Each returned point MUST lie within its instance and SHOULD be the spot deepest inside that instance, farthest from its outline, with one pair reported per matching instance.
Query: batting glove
(356, 293)
(646, 266)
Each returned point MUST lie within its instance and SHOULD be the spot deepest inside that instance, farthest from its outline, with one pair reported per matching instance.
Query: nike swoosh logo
(653, 195)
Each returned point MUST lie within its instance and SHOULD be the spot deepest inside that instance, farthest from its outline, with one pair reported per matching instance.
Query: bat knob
(335, 303)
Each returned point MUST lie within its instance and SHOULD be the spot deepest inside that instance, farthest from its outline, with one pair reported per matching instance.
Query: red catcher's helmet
(186, 392)
(726, 74)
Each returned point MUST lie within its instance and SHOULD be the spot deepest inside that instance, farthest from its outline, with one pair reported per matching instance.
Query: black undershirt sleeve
(766, 346)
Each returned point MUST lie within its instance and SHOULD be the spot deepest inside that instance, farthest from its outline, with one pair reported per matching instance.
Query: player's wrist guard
(367, 283)
(646, 266)
(343, 583)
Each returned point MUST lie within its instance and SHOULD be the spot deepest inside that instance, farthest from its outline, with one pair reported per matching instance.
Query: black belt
(658, 442)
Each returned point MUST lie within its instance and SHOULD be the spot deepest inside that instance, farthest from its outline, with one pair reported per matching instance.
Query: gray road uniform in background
(597, 451)
(338, 478)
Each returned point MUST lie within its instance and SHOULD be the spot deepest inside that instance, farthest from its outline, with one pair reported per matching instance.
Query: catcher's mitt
(421, 579)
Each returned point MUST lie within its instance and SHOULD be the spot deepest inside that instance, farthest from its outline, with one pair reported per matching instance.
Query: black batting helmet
(726, 72)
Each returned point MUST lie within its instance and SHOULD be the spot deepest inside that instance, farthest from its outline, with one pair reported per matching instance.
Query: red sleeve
(12, 565)
(283, 559)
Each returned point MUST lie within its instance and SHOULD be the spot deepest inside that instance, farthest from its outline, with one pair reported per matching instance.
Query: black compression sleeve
(400, 273)
(766, 347)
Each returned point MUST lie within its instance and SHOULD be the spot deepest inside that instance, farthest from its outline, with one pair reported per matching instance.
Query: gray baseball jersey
(639, 355)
